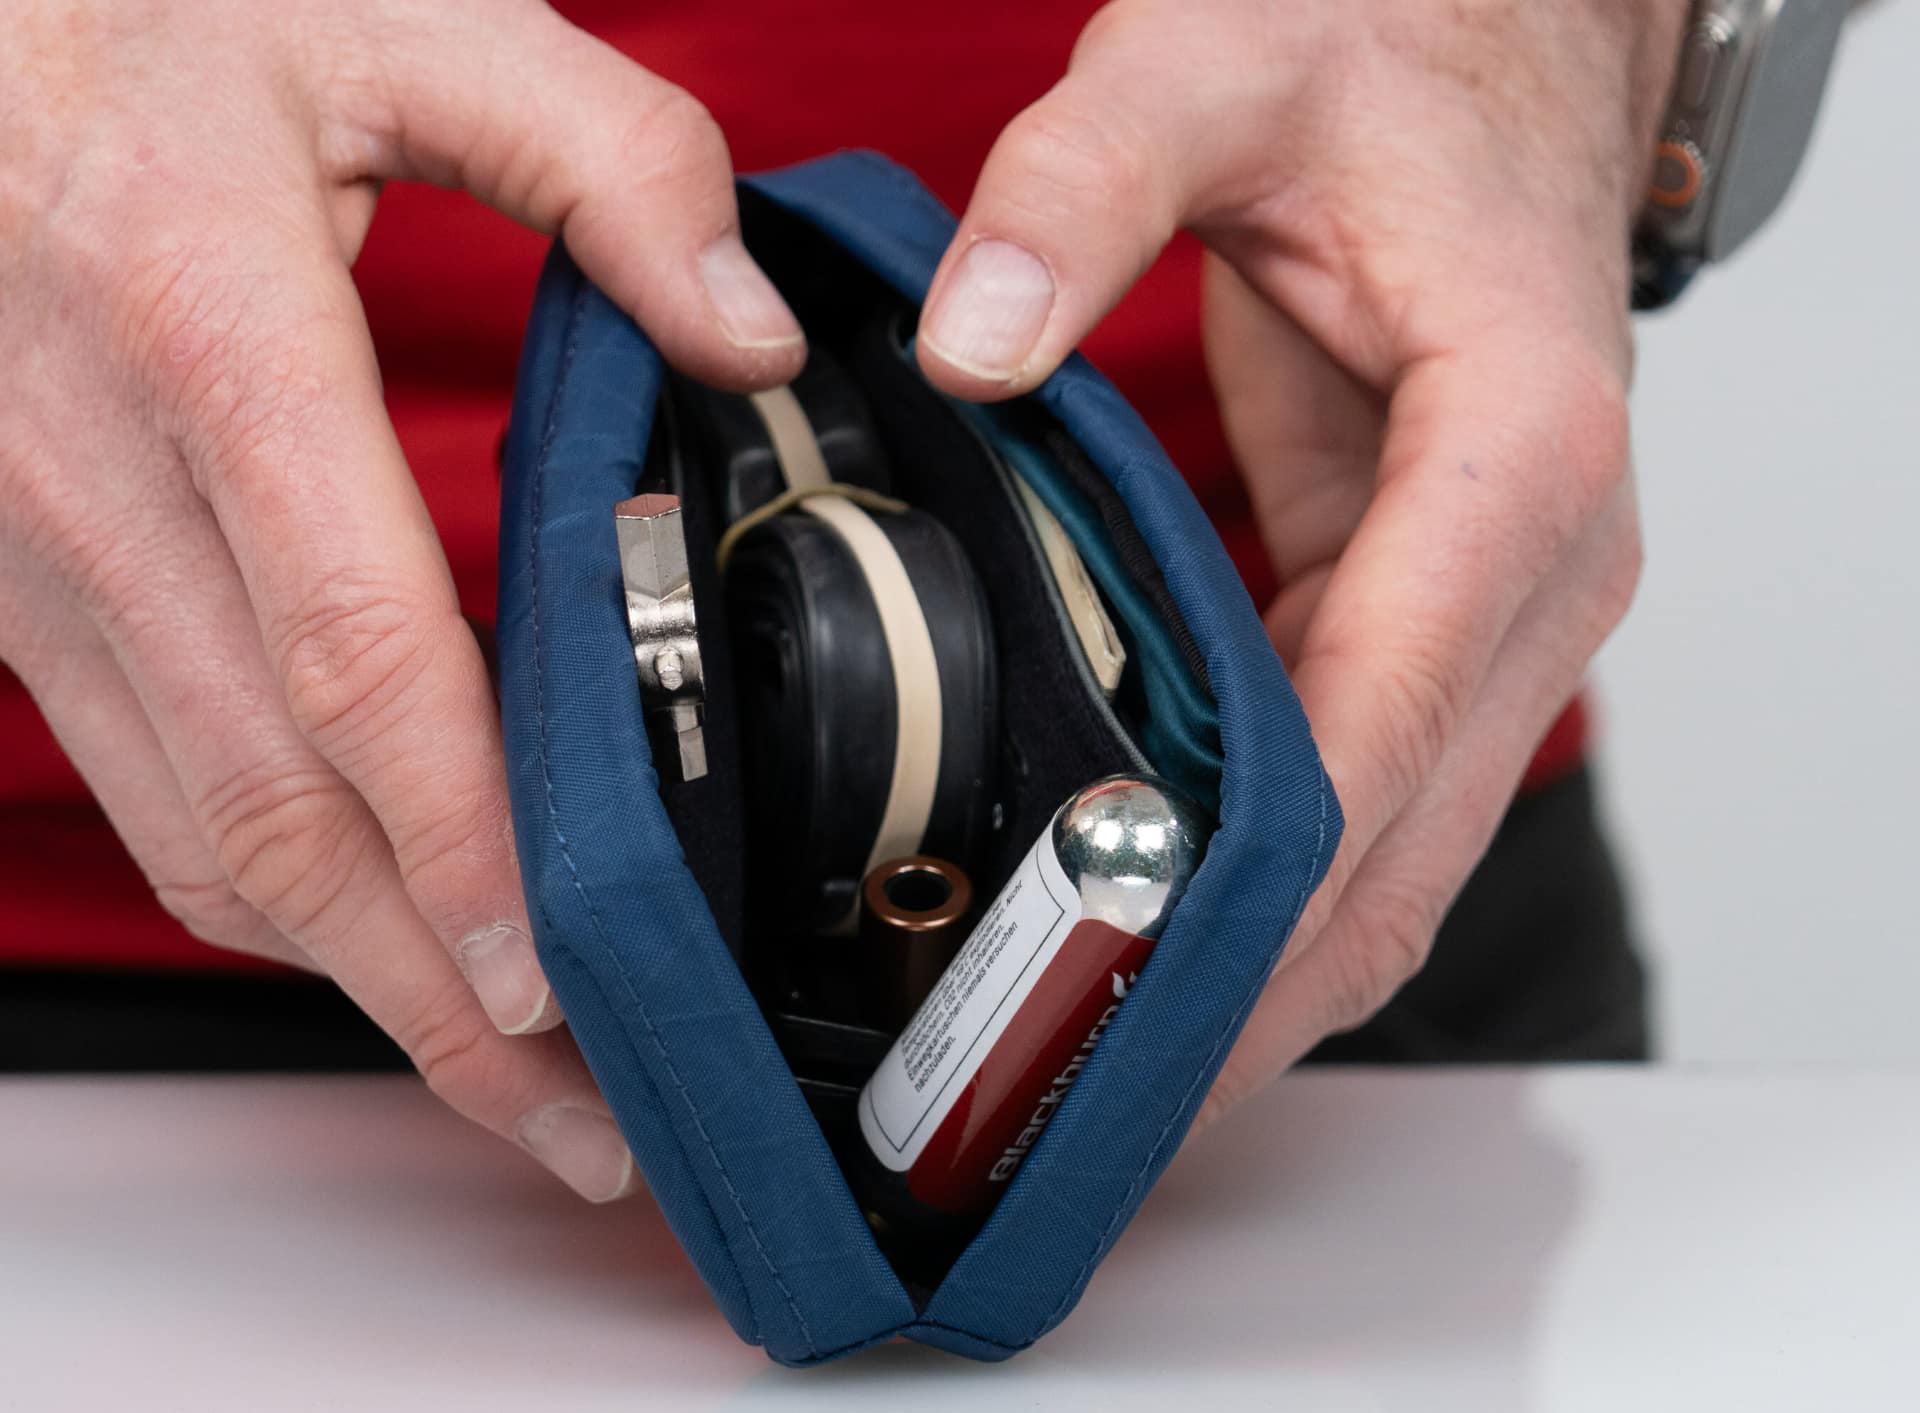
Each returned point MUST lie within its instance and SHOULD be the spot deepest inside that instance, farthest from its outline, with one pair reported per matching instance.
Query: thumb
(567, 135)
(1083, 190)
(1077, 198)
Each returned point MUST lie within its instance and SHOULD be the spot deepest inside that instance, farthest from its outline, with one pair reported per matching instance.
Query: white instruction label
(927, 1069)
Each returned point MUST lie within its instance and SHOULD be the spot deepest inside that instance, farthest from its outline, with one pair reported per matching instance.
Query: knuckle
(1568, 448)
(1594, 434)
(44, 517)
(171, 315)
(452, 855)
(218, 353)
(1390, 938)
(665, 139)
(459, 1053)
(679, 145)
(451, 838)
(351, 658)
(1624, 561)
(210, 909)
(1423, 692)
(60, 541)
(290, 843)
(1062, 158)
(249, 410)
(676, 113)
(1094, 34)
(347, 52)
(1108, 28)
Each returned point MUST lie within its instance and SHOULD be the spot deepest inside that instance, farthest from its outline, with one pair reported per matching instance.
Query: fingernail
(752, 314)
(991, 313)
(500, 965)
(581, 1148)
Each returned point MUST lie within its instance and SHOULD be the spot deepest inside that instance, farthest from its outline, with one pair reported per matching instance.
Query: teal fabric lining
(1180, 732)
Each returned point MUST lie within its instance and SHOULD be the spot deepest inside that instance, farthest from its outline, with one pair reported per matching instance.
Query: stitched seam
(566, 852)
(1206, 1068)
(919, 1323)
(970, 1334)
(693, 1115)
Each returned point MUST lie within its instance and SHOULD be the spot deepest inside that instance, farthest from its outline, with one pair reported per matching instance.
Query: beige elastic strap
(787, 500)
(1099, 640)
(795, 446)
(916, 672)
(916, 680)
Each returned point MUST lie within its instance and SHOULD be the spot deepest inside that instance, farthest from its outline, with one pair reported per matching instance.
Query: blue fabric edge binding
(593, 971)
(1280, 824)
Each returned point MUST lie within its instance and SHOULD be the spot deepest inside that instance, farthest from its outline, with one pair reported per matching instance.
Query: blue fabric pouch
(634, 888)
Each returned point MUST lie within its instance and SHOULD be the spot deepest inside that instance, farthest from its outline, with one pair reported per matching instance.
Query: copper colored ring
(884, 911)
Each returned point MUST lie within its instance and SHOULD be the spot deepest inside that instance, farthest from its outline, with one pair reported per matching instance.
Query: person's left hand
(1416, 323)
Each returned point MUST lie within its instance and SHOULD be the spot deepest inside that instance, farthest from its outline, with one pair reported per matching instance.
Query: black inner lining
(1055, 737)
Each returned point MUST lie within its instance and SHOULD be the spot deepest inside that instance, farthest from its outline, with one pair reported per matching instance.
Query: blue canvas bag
(614, 872)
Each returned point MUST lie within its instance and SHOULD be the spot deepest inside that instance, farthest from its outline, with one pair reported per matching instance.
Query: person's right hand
(216, 574)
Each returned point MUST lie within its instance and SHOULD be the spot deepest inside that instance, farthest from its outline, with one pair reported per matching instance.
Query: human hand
(1416, 324)
(216, 574)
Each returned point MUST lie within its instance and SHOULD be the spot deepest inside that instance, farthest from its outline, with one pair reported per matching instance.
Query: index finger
(292, 449)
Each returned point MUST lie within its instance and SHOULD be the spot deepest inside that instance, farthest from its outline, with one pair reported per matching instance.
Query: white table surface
(1604, 1239)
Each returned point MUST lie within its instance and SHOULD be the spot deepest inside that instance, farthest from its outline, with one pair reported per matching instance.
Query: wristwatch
(1745, 95)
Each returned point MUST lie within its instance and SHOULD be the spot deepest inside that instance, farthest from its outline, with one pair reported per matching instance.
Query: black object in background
(130, 1022)
(1533, 964)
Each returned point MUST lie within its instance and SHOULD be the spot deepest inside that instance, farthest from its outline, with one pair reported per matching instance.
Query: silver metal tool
(660, 620)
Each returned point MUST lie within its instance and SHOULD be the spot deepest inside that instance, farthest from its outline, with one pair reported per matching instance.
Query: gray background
(1760, 740)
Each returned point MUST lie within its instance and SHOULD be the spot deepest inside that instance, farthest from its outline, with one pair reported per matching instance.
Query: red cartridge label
(972, 1082)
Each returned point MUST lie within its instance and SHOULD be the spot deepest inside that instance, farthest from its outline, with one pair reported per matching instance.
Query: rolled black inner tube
(819, 709)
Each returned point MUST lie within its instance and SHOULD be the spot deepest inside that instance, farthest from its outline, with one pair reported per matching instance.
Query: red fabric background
(447, 285)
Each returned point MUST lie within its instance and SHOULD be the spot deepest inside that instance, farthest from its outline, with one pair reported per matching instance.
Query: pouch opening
(1058, 731)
